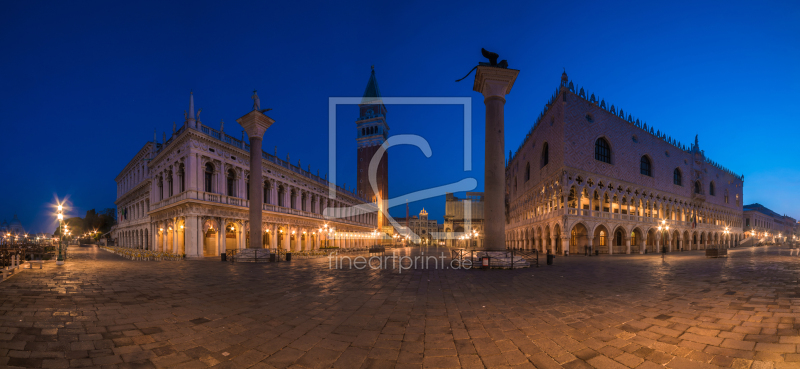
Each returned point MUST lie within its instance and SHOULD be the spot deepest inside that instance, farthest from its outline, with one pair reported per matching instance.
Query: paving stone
(679, 312)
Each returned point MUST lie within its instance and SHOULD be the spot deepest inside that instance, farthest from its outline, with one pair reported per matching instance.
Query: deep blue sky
(84, 84)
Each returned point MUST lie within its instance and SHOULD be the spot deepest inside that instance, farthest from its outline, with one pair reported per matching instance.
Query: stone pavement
(627, 311)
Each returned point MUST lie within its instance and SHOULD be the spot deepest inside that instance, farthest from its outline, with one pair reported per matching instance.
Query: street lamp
(61, 229)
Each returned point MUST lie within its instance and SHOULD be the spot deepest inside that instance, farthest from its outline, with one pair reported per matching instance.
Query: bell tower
(371, 132)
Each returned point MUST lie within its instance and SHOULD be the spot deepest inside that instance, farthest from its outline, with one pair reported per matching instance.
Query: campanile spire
(372, 131)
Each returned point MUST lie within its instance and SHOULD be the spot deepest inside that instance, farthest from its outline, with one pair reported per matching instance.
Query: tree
(93, 221)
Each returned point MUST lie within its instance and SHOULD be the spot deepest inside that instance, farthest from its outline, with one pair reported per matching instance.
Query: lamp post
(726, 231)
(60, 258)
(663, 229)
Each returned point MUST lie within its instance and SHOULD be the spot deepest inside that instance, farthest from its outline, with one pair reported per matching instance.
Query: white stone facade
(175, 196)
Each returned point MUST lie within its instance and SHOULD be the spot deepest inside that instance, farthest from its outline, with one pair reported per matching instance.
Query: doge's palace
(590, 178)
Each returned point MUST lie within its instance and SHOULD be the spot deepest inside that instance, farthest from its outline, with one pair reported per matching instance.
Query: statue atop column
(256, 100)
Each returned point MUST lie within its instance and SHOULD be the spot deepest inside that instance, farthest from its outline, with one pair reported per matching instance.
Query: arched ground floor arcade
(199, 231)
(580, 236)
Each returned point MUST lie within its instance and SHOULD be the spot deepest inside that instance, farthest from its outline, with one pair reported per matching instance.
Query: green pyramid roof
(372, 93)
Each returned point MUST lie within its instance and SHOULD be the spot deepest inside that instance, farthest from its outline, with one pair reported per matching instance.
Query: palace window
(602, 150)
(527, 172)
(697, 187)
(182, 178)
(208, 177)
(545, 154)
(676, 177)
(619, 238)
(161, 188)
(169, 184)
(644, 166)
(231, 183)
(602, 238)
(266, 192)
(573, 240)
(247, 188)
(711, 189)
(633, 239)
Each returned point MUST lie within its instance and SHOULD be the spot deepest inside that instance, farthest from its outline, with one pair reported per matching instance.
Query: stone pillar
(611, 243)
(553, 245)
(154, 235)
(565, 245)
(191, 237)
(494, 83)
(174, 235)
(273, 239)
(255, 123)
(628, 245)
(176, 186)
(190, 173)
(163, 246)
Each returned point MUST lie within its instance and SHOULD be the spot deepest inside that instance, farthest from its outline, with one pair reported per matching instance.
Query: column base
(252, 256)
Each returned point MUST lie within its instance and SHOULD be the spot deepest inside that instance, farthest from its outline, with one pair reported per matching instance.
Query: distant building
(763, 223)
(464, 217)
(421, 230)
(13, 229)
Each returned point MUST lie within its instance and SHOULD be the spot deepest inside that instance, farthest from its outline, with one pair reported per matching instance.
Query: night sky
(83, 85)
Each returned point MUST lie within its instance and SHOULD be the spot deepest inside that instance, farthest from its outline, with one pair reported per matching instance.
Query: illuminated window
(634, 241)
(602, 238)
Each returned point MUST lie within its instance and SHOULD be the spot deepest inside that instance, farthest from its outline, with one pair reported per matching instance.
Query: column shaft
(256, 194)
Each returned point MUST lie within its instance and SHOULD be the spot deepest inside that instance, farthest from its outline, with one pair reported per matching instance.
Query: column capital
(494, 81)
(255, 123)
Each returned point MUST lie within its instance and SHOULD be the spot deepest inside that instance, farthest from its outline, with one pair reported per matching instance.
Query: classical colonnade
(206, 236)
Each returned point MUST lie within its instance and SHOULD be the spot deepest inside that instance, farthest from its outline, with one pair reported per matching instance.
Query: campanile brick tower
(372, 133)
